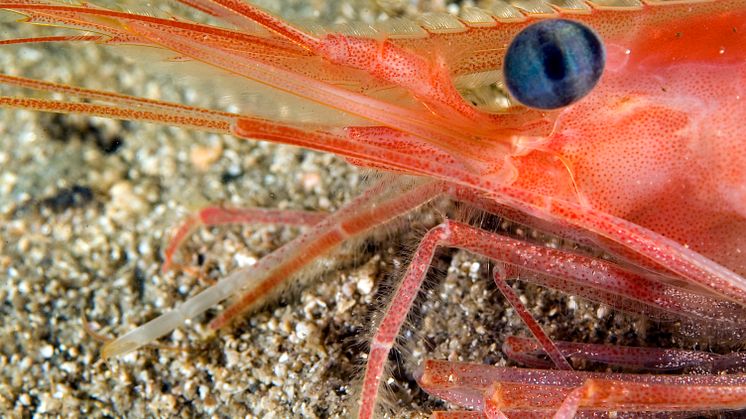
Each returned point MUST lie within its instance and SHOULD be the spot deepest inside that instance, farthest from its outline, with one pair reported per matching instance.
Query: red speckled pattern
(660, 142)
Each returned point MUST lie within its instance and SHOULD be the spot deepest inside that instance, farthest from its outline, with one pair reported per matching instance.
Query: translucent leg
(449, 234)
(493, 410)
(631, 290)
(547, 391)
(554, 354)
(646, 244)
(529, 352)
(600, 393)
(214, 216)
(570, 405)
(346, 224)
(565, 266)
(385, 200)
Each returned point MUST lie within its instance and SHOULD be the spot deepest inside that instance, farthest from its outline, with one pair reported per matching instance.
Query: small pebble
(203, 157)
(47, 351)
(365, 285)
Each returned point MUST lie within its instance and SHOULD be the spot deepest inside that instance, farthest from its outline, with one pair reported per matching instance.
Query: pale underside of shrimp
(650, 168)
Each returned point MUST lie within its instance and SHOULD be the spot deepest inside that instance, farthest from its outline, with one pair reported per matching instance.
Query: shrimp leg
(557, 357)
(487, 388)
(392, 198)
(555, 263)
(528, 352)
(600, 393)
(215, 216)
(653, 247)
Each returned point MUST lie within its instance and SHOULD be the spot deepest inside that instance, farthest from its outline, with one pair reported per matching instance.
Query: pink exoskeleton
(649, 168)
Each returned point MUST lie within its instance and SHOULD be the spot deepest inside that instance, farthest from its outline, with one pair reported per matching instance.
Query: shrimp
(622, 135)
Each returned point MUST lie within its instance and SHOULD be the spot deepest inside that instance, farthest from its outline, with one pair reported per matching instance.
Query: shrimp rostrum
(614, 124)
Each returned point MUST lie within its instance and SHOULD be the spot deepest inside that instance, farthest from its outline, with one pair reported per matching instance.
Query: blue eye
(553, 63)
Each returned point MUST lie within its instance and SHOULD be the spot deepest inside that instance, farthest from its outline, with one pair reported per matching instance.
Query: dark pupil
(554, 61)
